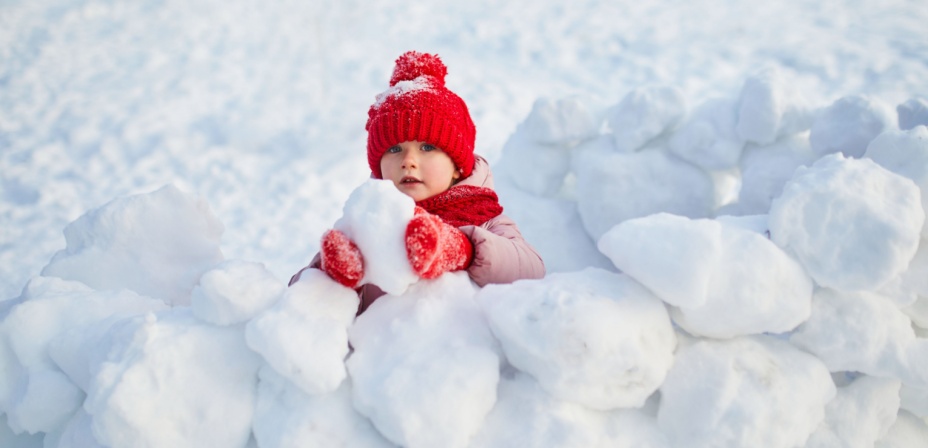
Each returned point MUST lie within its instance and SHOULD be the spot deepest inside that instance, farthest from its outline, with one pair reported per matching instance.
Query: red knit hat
(417, 106)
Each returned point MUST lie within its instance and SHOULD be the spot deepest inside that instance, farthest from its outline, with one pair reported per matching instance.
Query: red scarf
(464, 205)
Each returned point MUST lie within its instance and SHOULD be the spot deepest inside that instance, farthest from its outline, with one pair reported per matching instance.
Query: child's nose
(409, 160)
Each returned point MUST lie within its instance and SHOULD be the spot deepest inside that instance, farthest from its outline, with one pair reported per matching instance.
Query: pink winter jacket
(501, 255)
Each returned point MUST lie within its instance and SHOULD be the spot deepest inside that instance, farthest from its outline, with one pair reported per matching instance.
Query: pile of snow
(799, 322)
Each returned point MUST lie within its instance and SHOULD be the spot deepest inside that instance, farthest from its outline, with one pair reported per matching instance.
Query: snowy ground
(591, 113)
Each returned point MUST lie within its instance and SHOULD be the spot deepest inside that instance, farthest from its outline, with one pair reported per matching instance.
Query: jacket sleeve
(501, 254)
(315, 264)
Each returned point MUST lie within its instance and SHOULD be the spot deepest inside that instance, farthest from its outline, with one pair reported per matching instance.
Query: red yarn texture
(341, 258)
(434, 247)
(464, 205)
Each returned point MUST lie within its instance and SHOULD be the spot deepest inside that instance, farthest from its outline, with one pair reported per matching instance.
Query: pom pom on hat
(417, 106)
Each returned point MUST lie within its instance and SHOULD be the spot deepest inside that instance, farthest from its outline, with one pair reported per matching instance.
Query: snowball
(768, 108)
(860, 413)
(852, 224)
(375, 218)
(708, 138)
(591, 337)
(913, 112)
(34, 389)
(533, 167)
(908, 432)
(234, 292)
(858, 331)
(304, 337)
(285, 417)
(156, 244)
(766, 169)
(562, 122)
(526, 416)
(750, 391)
(645, 113)
(723, 281)
(172, 380)
(849, 124)
(425, 366)
(613, 187)
(904, 153)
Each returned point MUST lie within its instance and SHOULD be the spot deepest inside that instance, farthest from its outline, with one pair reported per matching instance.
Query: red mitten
(434, 247)
(341, 258)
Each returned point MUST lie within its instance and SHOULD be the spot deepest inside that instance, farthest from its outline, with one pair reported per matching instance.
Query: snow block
(750, 391)
(566, 121)
(593, 337)
(723, 281)
(912, 113)
(156, 244)
(645, 113)
(234, 292)
(708, 138)
(904, 153)
(768, 108)
(849, 124)
(852, 224)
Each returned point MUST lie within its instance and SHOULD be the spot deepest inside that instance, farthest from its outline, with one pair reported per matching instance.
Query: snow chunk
(234, 292)
(860, 413)
(908, 432)
(708, 138)
(304, 337)
(562, 122)
(851, 223)
(912, 113)
(723, 280)
(591, 337)
(613, 187)
(285, 417)
(764, 172)
(425, 366)
(849, 124)
(533, 167)
(769, 108)
(751, 391)
(904, 153)
(527, 417)
(35, 391)
(196, 380)
(645, 113)
(375, 218)
(156, 244)
(859, 332)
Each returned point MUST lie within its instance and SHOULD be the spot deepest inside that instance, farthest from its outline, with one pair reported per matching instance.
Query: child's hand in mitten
(341, 258)
(434, 247)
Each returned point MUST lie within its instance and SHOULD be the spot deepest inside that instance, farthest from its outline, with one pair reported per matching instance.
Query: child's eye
(394, 149)
(428, 147)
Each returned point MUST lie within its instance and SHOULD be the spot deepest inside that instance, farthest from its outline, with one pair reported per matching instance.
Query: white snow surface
(729, 199)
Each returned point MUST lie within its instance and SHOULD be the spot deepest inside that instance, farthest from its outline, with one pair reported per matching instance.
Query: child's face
(418, 169)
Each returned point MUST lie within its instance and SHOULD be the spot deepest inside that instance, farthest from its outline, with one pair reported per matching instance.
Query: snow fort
(751, 271)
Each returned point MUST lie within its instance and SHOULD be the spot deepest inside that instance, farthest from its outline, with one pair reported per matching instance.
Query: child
(421, 137)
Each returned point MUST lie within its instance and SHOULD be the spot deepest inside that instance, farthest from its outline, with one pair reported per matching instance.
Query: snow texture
(729, 169)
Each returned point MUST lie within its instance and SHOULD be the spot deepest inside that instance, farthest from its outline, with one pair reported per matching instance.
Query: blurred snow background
(593, 114)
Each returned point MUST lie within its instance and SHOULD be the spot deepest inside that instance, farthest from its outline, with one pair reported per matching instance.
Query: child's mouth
(409, 180)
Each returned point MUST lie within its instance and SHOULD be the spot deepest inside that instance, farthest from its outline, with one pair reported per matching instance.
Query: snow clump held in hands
(722, 281)
(593, 337)
(375, 218)
(840, 221)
